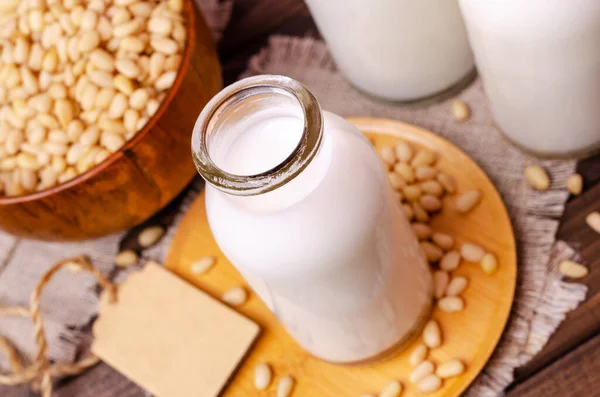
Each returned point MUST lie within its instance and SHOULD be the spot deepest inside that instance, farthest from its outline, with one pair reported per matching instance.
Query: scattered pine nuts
(423, 157)
(457, 286)
(450, 369)
(537, 177)
(467, 201)
(593, 221)
(572, 269)
(404, 152)
(460, 110)
(150, 235)
(422, 230)
(126, 258)
(418, 355)
(472, 252)
(489, 264)
(432, 252)
(262, 376)
(387, 156)
(236, 296)
(285, 386)
(421, 371)
(451, 304)
(202, 265)
(443, 240)
(392, 389)
(440, 283)
(450, 261)
(429, 384)
(432, 335)
(575, 184)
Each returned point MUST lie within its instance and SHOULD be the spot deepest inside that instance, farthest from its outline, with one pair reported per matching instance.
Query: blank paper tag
(169, 337)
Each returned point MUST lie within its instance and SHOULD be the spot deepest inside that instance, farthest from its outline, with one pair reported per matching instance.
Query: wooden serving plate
(470, 335)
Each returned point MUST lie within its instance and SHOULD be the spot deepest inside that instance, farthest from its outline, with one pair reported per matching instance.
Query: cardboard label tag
(169, 337)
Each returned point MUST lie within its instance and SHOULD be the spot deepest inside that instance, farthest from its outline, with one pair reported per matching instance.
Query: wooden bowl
(140, 178)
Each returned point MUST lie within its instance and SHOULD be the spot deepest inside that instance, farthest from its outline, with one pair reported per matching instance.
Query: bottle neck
(243, 120)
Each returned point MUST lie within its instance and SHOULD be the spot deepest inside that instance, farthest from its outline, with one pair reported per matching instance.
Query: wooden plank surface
(568, 366)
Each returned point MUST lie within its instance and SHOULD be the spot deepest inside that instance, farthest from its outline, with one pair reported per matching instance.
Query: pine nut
(451, 304)
(472, 252)
(126, 258)
(429, 384)
(430, 203)
(420, 214)
(423, 157)
(432, 335)
(285, 386)
(262, 376)
(424, 173)
(537, 177)
(130, 120)
(489, 264)
(392, 389)
(165, 81)
(102, 60)
(593, 221)
(404, 152)
(173, 62)
(440, 283)
(236, 296)
(421, 371)
(88, 41)
(450, 369)
(160, 25)
(127, 68)
(138, 99)
(118, 106)
(386, 153)
(460, 110)
(164, 45)
(572, 269)
(432, 187)
(412, 193)
(396, 181)
(432, 252)
(418, 355)
(202, 265)
(150, 236)
(467, 201)
(405, 171)
(443, 240)
(422, 230)
(575, 184)
(457, 286)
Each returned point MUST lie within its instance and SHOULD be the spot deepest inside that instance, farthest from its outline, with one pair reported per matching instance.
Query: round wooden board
(470, 335)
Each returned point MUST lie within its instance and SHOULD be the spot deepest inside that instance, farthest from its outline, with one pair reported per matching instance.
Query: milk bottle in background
(298, 201)
(540, 65)
(398, 50)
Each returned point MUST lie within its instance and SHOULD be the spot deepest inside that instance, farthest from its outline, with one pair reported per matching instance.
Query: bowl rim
(189, 11)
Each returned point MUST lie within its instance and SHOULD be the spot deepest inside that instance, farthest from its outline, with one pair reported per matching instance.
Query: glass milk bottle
(540, 66)
(398, 50)
(298, 201)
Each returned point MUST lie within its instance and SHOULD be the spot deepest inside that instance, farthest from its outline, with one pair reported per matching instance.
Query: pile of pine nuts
(78, 78)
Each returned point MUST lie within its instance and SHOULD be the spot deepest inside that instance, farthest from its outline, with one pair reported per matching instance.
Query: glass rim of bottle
(288, 169)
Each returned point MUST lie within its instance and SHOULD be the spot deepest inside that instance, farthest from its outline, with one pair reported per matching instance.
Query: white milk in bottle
(298, 201)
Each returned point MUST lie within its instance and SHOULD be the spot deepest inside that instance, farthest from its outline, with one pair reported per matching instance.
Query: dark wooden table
(568, 366)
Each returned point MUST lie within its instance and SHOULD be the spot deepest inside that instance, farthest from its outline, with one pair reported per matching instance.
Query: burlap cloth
(542, 299)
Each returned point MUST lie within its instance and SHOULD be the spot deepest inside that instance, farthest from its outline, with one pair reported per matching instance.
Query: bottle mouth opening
(210, 123)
